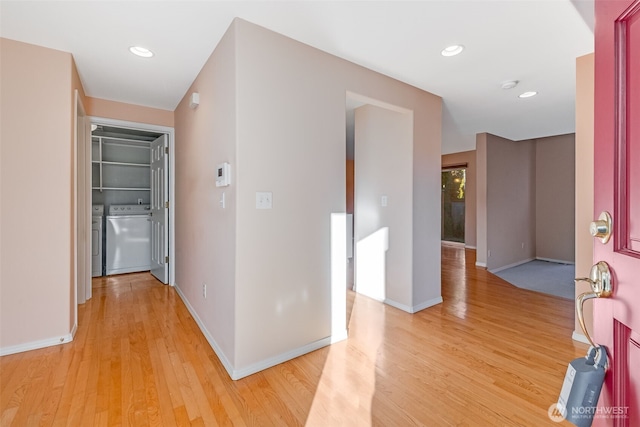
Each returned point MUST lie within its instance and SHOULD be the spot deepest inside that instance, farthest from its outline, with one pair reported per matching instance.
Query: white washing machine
(128, 239)
(97, 213)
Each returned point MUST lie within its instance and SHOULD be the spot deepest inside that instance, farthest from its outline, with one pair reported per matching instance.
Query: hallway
(491, 354)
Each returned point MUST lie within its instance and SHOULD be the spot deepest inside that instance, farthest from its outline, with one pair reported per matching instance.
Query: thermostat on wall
(223, 175)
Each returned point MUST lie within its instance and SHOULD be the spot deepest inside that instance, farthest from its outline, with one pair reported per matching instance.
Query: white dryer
(128, 239)
(97, 213)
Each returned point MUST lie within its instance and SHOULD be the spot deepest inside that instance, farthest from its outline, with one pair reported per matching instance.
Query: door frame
(170, 132)
(81, 214)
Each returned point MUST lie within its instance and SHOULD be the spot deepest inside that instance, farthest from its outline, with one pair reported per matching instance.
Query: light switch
(223, 201)
(264, 200)
(383, 201)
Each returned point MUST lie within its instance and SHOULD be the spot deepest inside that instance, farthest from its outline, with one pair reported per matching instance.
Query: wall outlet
(264, 200)
(204, 290)
(522, 245)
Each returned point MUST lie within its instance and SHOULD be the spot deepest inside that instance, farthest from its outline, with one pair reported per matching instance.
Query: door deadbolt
(601, 287)
(601, 228)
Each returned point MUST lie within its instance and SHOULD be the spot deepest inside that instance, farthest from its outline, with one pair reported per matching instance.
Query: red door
(617, 190)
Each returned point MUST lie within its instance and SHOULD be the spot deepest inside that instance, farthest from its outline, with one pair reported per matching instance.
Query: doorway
(453, 204)
(123, 173)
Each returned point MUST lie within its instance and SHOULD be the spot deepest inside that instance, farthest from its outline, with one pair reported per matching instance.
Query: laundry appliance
(128, 239)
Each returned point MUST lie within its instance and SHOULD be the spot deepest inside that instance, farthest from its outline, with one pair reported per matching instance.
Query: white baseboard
(281, 358)
(212, 342)
(470, 247)
(427, 304)
(515, 264)
(237, 374)
(415, 308)
(557, 261)
(481, 264)
(579, 337)
(35, 345)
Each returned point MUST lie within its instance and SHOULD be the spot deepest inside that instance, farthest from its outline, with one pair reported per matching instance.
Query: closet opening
(131, 212)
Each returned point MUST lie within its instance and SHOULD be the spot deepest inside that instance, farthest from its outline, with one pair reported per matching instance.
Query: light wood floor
(490, 355)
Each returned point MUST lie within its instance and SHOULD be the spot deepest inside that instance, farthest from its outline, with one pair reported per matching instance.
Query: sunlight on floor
(344, 397)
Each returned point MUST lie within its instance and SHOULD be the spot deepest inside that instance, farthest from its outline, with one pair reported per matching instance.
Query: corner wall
(291, 141)
(277, 114)
(555, 198)
(205, 230)
(510, 203)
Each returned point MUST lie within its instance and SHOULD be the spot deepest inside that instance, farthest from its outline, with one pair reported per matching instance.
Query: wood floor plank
(490, 355)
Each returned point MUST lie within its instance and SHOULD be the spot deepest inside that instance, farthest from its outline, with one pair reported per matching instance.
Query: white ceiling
(533, 41)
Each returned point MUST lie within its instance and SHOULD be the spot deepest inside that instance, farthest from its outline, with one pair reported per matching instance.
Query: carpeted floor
(542, 276)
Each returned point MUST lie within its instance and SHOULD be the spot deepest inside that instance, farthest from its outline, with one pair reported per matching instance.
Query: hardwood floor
(490, 355)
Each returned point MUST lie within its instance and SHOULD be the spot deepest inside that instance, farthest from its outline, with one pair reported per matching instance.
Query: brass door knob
(601, 287)
(601, 228)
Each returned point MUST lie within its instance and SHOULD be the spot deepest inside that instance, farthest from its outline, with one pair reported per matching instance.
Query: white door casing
(159, 209)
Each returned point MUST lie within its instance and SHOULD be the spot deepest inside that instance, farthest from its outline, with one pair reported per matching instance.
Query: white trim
(212, 342)
(515, 264)
(481, 264)
(170, 131)
(415, 308)
(74, 330)
(36, 345)
(557, 261)
(579, 337)
(281, 358)
(237, 374)
(470, 247)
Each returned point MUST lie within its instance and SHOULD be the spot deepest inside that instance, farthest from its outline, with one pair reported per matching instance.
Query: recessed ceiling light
(452, 50)
(141, 51)
(510, 84)
(527, 94)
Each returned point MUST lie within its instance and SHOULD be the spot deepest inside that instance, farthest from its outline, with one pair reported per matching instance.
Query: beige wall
(36, 262)
(279, 120)
(38, 169)
(466, 158)
(555, 198)
(206, 232)
(584, 178)
(128, 112)
(383, 142)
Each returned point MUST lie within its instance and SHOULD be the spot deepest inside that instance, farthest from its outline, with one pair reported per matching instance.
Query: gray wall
(555, 198)
(511, 199)
(525, 200)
